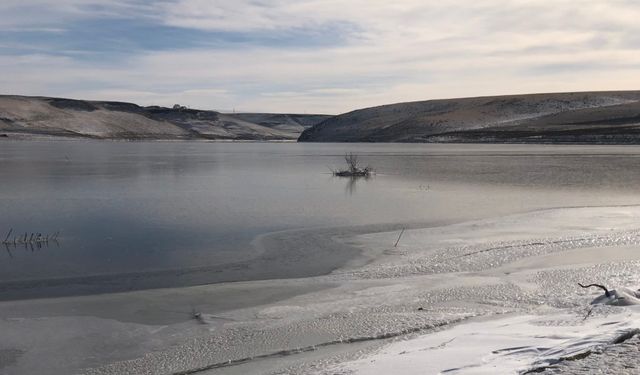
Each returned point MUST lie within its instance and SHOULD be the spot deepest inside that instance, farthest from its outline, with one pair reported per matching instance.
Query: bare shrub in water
(353, 168)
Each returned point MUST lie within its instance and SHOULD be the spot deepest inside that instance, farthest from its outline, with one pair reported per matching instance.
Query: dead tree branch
(353, 168)
(606, 291)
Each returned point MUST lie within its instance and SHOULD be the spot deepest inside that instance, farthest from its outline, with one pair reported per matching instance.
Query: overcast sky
(314, 56)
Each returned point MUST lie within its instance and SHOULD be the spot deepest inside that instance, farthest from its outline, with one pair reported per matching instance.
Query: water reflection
(145, 207)
(51, 166)
(34, 241)
(351, 182)
(33, 246)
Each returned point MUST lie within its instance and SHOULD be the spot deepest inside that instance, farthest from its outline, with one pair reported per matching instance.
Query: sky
(314, 56)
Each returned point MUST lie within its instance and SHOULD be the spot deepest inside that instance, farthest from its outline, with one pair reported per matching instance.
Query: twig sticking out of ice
(400, 236)
(606, 291)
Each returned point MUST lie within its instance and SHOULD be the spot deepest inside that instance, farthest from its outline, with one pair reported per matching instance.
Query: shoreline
(368, 303)
(7, 136)
(34, 137)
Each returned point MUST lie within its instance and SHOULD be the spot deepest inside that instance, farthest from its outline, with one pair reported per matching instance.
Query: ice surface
(518, 273)
(502, 346)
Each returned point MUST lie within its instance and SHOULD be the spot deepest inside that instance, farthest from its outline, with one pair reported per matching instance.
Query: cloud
(44, 15)
(315, 55)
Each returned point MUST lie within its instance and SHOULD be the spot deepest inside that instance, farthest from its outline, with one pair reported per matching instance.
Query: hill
(586, 117)
(22, 116)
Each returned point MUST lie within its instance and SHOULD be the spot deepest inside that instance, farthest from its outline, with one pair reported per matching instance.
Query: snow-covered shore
(509, 345)
(469, 296)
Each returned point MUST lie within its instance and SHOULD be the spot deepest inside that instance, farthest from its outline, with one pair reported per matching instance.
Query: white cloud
(53, 15)
(409, 50)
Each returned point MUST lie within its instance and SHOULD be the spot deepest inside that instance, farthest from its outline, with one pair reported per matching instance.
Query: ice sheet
(435, 278)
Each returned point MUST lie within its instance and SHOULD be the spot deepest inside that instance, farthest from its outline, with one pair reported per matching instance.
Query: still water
(162, 208)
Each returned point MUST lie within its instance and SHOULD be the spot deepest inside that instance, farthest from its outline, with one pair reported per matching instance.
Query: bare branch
(353, 169)
(606, 291)
(396, 245)
(8, 234)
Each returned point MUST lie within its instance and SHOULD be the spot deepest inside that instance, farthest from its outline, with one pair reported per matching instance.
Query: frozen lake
(157, 214)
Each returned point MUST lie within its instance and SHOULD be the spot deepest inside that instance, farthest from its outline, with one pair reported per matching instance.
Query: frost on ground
(498, 292)
(501, 346)
(620, 359)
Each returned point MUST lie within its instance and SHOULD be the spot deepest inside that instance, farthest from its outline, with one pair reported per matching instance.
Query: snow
(501, 346)
(456, 297)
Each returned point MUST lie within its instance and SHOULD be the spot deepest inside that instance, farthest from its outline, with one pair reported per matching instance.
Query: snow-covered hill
(26, 116)
(598, 117)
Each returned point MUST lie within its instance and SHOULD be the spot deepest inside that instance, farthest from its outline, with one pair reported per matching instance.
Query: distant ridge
(24, 116)
(581, 117)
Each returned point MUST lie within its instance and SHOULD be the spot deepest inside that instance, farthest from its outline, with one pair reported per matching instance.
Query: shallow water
(144, 207)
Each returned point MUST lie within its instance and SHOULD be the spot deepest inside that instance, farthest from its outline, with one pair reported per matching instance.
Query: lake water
(150, 214)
